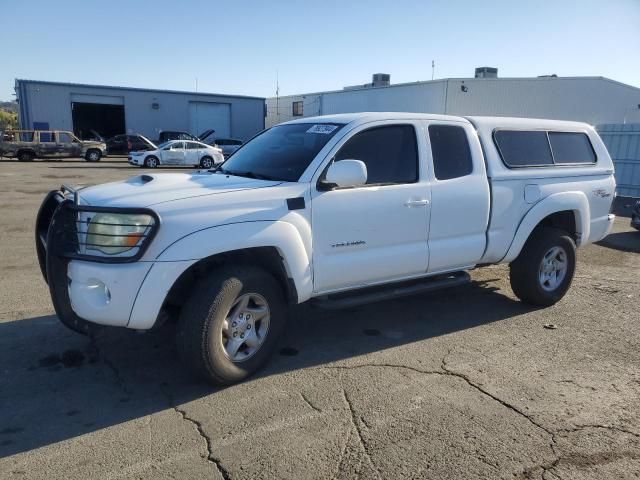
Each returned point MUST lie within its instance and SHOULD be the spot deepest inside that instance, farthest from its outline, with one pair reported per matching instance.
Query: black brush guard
(57, 242)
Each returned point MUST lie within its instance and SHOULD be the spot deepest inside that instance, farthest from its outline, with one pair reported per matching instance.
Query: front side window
(282, 153)
(297, 109)
(193, 146)
(523, 148)
(177, 146)
(571, 147)
(64, 137)
(390, 154)
(450, 151)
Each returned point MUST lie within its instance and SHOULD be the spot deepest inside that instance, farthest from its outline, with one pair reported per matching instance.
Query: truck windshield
(281, 153)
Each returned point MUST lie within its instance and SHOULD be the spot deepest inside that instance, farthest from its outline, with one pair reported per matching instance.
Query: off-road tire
(148, 164)
(202, 317)
(93, 155)
(525, 270)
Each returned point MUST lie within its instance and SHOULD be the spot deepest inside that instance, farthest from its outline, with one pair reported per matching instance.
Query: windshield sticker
(322, 128)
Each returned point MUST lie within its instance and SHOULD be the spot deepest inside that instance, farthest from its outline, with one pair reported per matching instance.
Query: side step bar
(387, 292)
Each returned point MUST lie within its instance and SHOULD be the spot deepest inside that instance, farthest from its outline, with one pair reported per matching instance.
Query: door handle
(416, 203)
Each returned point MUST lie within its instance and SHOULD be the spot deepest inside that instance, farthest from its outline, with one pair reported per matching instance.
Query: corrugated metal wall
(623, 143)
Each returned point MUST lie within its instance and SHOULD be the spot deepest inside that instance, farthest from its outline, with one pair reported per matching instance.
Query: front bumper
(86, 290)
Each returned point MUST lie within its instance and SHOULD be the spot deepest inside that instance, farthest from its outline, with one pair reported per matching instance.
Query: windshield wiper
(248, 174)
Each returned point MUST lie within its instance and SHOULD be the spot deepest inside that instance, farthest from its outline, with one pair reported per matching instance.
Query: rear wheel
(151, 162)
(93, 155)
(230, 325)
(542, 273)
(25, 156)
(206, 162)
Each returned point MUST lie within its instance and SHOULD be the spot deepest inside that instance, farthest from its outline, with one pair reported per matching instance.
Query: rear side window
(451, 153)
(390, 154)
(523, 149)
(571, 147)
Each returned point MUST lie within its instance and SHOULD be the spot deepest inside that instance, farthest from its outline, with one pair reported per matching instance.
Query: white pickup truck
(342, 210)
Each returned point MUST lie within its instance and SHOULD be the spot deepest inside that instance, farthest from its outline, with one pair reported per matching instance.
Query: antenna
(433, 68)
(196, 84)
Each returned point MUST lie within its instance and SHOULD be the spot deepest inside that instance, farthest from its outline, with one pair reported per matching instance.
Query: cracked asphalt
(461, 384)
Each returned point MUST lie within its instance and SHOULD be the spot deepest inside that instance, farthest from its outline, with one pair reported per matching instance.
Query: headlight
(115, 233)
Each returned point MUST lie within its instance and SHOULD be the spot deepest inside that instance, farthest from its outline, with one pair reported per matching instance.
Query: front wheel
(206, 162)
(151, 162)
(229, 326)
(542, 273)
(93, 155)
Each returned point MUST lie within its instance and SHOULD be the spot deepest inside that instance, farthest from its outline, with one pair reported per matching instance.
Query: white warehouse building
(594, 100)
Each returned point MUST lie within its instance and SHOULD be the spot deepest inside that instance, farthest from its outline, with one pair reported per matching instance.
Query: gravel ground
(461, 384)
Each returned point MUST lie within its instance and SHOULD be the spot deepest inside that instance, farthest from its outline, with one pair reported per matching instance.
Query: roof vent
(381, 80)
(486, 72)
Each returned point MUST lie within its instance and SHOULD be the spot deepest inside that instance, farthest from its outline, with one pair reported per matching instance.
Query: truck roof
(479, 122)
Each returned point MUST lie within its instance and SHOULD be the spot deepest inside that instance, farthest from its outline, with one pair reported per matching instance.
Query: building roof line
(136, 89)
(462, 79)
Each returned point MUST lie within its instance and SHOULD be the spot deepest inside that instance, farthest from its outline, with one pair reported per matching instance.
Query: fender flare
(576, 202)
(282, 236)
(180, 255)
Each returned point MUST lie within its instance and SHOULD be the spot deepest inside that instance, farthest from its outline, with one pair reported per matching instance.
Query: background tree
(8, 120)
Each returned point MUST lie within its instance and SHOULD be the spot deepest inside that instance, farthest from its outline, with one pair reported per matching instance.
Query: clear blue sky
(237, 46)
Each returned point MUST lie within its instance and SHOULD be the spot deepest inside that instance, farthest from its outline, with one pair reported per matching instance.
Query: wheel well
(25, 150)
(268, 258)
(564, 220)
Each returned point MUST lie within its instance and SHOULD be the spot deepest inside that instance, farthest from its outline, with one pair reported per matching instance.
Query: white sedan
(178, 152)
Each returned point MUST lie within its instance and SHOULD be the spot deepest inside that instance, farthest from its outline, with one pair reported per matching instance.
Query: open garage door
(206, 115)
(97, 113)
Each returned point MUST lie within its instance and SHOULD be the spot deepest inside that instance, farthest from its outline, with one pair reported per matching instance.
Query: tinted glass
(519, 148)
(177, 146)
(451, 153)
(283, 152)
(46, 137)
(192, 146)
(220, 142)
(64, 137)
(571, 148)
(25, 136)
(390, 153)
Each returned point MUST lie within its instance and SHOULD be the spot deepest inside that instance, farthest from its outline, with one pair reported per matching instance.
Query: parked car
(123, 144)
(635, 216)
(167, 135)
(25, 145)
(227, 145)
(341, 210)
(178, 152)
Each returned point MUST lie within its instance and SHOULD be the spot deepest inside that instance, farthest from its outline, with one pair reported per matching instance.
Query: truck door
(377, 232)
(47, 147)
(460, 196)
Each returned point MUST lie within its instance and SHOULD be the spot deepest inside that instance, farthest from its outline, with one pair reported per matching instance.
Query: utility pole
(277, 98)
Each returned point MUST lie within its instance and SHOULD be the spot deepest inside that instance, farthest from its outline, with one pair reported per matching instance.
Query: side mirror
(346, 173)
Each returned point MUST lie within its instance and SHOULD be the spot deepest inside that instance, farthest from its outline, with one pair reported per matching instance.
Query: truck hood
(149, 189)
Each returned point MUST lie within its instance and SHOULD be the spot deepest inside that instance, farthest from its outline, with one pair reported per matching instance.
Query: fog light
(98, 292)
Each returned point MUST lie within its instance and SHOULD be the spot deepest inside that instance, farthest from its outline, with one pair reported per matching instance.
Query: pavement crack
(502, 402)
(358, 431)
(308, 402)
(119, 380)
(211, 458)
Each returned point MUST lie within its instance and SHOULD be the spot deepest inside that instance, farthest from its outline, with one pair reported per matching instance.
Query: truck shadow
(623, 241)
(57, 385)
